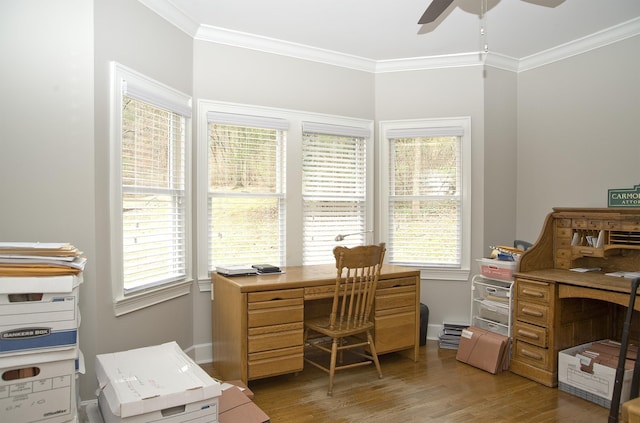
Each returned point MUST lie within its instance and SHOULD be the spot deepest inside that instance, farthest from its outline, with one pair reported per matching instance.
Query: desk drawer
(276, 362)
(275, 337)
(531, 334)
(536, 314)
(533, 291)
(281, 294)
(389, 298)
(393, 283)
(531, 354)
(275, 312)
(395, 329)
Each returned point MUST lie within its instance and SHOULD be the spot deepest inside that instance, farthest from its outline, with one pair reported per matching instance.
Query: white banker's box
(159, 383)
(38, 313)
(38, 387)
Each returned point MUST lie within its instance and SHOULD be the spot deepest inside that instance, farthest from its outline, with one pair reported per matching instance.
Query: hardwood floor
(436, 388)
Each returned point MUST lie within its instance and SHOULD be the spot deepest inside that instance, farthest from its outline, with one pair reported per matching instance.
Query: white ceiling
(382, 30)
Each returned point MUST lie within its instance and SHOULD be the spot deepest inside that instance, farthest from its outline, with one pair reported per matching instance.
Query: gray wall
(577, 132)
(129, 33)
(46, 136)
(561, 134)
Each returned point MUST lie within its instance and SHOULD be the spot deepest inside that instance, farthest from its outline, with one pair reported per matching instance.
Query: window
(279, 185)
(246, 201)
(334, 188)
(426, 209)
(149, 195)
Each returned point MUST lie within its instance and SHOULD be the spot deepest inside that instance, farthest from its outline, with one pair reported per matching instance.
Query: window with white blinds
(149, 183)
(279, 186)
(246, 195)
(426, 208)
(334, 188)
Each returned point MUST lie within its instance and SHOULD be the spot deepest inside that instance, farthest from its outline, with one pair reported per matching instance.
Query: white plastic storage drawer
(491, 305)
(491, 326)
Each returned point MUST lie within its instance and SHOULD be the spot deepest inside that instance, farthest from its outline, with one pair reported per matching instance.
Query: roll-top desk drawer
(531, 354)
(533, 313)
(532, 334)
(539, 292)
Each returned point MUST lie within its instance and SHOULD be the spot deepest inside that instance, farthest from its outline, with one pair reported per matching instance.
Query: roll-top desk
(258, 321)
(556, 308)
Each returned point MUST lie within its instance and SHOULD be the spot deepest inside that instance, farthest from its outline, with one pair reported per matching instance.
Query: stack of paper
(40, 259)
(237, 270)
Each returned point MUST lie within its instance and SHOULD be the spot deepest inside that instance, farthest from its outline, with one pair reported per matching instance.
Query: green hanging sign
(622, 197)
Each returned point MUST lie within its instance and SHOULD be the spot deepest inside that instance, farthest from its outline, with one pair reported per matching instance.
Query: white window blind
(425, 196)
(153, 195)
(246, 195)
(333, 188)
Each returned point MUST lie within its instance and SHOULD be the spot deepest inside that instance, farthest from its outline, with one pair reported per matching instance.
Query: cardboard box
(38, 387)
(159, 383)
(236, 407)
(244, 388)
(39, 314)
(484, 349)
(589, 380)
(497, 269)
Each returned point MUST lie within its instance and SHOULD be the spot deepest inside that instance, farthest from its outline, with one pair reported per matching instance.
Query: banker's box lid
(148, 379)
(39, 284)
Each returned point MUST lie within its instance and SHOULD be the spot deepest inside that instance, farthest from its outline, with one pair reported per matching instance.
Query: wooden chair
(349, 325)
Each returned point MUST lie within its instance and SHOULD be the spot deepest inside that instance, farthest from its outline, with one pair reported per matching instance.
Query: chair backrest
(358, 272)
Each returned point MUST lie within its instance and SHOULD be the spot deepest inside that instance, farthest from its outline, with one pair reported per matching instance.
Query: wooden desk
(555, 308)
(258, 321)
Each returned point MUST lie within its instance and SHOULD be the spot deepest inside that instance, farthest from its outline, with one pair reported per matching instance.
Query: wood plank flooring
(436, 388)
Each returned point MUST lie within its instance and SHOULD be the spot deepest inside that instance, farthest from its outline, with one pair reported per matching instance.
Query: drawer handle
(530, 354)
(530, 312)
(586, 252)
(527, 334)
(536, 294)
(491, 290)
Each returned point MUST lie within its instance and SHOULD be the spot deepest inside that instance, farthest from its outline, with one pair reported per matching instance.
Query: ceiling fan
(434, 10)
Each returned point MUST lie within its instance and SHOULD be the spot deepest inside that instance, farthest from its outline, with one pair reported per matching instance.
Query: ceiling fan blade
(434, 10)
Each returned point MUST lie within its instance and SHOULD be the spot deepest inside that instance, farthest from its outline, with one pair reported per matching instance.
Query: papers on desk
(237, 270)
(628, 275)
(586, 269)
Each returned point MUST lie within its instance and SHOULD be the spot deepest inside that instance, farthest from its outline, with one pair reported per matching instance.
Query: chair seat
(321, 325)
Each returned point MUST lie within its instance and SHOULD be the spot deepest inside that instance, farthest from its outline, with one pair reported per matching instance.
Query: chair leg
(332, 365)
(374, 354)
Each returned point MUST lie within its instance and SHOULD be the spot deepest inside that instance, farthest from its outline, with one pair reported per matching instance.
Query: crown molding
(284, 48)
(167, 10)
(596, 40)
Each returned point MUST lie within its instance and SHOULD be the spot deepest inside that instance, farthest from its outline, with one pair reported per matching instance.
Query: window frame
(124, 79)
(430, 272)
(293, 187)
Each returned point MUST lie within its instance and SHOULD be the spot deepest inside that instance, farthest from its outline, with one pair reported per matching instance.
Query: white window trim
(120, 77)
(294, 173)
(461, 274)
